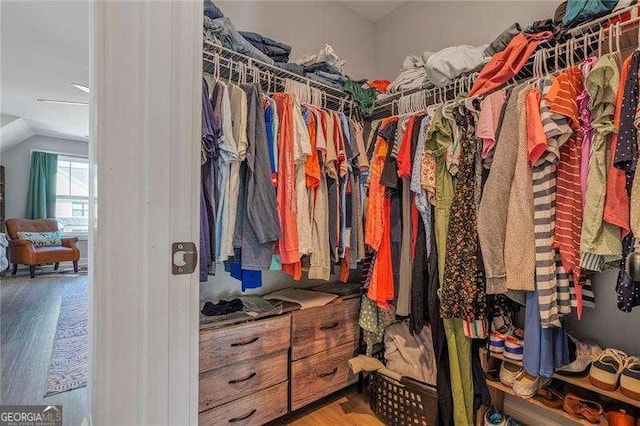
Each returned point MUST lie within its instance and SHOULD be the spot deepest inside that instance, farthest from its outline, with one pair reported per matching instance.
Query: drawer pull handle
(255, 339)
(239, 419)
(331, 373)
(329, 327)
(250, 376)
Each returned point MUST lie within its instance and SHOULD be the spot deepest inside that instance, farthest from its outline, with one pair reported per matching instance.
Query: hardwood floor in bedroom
(344, 408)
(29, 311)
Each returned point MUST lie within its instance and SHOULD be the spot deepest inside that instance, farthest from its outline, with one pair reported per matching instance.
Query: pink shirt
(490, 109)
(587, 130)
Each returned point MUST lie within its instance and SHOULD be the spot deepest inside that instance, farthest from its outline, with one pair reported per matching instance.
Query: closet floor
(28, 318)
(345, 407)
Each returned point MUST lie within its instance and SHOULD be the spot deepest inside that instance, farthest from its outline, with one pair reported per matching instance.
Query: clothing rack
(222, 62)
(575, 44)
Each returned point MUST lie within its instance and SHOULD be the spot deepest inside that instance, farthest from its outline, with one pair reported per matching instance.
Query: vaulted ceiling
(44, 47)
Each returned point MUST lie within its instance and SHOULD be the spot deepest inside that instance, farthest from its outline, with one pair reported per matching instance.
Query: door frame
(144, 149)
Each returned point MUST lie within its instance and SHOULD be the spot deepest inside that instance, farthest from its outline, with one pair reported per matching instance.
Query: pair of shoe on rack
(508, 341)
(523, 384)
(613, 369)
(494, 417)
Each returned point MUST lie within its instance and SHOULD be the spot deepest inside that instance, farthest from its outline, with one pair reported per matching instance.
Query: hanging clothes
(257, 226)
(519, 244)
(600, 241)
(548, 132)
(493, 212)
(460, 295)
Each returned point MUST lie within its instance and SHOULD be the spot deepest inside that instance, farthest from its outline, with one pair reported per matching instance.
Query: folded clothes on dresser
(305, 298)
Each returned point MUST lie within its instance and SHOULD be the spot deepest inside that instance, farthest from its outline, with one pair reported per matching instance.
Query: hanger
(618, 35)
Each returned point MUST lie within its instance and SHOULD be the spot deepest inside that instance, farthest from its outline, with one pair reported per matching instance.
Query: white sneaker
(508, 373)
(526, 385)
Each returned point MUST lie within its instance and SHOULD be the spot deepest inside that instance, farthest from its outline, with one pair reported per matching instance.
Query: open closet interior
(453, 245)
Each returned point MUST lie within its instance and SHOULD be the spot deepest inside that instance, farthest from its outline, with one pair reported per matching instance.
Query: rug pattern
(68, 366)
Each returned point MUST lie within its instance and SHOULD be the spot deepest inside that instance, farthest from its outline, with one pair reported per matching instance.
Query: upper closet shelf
(563, 49)
(226, 64)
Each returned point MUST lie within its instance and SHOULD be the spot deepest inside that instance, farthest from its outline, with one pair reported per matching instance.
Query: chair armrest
(70, 242)
(21, 243)
(22, 252)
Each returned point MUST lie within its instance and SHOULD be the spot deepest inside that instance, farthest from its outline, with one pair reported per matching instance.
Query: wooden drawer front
(318, 329)
(319, 375)
(255, 409)
(229, 345)
(226, 384)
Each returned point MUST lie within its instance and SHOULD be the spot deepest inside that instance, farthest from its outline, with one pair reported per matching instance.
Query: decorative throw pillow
(42, 239)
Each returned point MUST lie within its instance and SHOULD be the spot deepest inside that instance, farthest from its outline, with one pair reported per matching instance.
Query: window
(72, 194)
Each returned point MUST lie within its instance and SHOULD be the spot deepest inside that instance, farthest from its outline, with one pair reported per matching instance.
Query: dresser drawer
(318, 329)
(225, 346)
(319, 375)
(255, 409)
(228, 383)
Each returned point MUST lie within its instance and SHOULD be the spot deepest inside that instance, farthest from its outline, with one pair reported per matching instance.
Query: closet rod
(335, 98)
(593, 27)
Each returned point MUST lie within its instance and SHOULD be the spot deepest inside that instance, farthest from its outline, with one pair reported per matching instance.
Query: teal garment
(581, 10)
(365, 97)
(41, 199)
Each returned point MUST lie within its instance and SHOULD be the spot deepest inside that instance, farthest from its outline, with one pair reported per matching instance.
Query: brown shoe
(582, 408)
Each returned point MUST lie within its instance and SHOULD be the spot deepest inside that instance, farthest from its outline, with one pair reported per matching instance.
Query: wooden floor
(28, 317)
(344, 408)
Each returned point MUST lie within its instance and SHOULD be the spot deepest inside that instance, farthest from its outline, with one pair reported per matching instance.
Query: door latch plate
(184, 258)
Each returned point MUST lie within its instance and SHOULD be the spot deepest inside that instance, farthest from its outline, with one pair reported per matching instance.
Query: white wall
(607, 325)
(17, 164)
(432, 25)
(306, 26)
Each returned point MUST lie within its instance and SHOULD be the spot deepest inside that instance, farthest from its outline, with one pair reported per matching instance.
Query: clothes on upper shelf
(505, 65)
(281, 184)
(451, 62)
(222, 31)
(276, 50)
(580, 11)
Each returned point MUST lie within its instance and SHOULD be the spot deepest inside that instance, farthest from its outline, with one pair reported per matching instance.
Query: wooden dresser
(256, 371)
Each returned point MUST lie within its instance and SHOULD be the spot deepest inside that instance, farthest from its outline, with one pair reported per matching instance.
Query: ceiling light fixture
(85, 89)
(55, 101)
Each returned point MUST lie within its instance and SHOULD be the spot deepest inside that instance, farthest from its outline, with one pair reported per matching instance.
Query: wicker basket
(403, 404)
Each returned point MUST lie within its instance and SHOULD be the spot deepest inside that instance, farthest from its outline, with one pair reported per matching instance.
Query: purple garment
(587, 131)
(207, 200)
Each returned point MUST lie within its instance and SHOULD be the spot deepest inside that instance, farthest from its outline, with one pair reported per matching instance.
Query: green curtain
(41, 201)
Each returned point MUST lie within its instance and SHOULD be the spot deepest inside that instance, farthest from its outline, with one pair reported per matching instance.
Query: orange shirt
(563, 99)
(375, 205)
(404, 152)
(616, 202)
(505, 65)
(286, 197)
(536, 137)
(312, 166)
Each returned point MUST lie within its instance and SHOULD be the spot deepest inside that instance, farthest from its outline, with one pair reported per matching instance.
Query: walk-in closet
(419, 213)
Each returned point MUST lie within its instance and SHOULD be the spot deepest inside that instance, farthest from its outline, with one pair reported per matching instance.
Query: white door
(145, 139)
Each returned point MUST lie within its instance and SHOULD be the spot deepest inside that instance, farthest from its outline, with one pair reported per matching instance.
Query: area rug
(68, 367)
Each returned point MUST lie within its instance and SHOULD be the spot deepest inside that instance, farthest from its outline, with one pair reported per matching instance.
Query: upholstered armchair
(25, 252)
